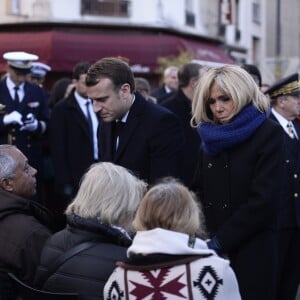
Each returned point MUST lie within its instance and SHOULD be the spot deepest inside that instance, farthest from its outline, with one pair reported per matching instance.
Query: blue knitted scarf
(217, 137)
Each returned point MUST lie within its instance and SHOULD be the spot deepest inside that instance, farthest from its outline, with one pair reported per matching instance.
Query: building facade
(214, 31)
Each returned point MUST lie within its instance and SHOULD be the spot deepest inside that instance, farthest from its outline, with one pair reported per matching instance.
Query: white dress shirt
(82, 104)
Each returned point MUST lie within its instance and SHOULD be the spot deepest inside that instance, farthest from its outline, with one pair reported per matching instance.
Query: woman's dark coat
(86, 272)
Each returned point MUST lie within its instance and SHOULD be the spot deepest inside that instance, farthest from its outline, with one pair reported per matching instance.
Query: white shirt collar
(124, 118)
(81, 101)
(10, 84)
(283, 121)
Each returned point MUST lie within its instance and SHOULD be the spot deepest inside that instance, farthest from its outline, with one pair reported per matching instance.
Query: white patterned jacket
(165, 264)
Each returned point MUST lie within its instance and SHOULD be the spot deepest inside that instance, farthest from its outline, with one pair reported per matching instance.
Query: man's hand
(13, 118)
(31, 124)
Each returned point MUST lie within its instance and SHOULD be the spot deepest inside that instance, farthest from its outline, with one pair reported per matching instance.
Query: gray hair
(109, 193)
(7, 162)
(169, 70)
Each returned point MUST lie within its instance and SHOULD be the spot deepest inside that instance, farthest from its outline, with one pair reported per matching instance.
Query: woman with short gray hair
(97, 235)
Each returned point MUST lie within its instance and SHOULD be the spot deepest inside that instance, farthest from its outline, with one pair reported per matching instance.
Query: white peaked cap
(39, 69)
(20, 59)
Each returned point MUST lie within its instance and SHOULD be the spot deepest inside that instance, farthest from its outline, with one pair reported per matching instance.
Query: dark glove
(214, 244)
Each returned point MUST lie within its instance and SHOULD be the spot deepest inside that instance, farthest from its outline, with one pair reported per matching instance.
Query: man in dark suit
(73, 136)
(24, 111)
(285, 101)
(181, 105)
(170, 85)
(136, 134)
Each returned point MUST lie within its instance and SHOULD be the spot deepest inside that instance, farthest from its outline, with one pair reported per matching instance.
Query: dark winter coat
(71, 148)
(86, 272)
(24, 228)
(240, 189)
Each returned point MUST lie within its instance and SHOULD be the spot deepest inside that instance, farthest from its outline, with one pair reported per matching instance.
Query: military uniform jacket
(150, 143)
(240, 187)
(30, 143)
(289, 211)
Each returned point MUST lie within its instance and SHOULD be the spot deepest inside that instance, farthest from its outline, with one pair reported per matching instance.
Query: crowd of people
(186, 192)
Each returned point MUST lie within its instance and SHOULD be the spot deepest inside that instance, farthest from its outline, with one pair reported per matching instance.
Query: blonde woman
(99, 221)
(238, 176)
(166, 259)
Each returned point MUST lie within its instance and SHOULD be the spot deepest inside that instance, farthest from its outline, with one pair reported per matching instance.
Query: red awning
(63, 49)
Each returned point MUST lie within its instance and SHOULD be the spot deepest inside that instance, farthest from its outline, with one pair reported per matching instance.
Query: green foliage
(172, 60)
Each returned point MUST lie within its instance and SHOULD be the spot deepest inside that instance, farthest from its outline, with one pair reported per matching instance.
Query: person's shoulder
(159, 110)
(33, 87)
(213, 263)
(158, 92)
(271, 125)
(30, 227)
(169, 101)
(270, 131)
(64, 103)
(174, 103)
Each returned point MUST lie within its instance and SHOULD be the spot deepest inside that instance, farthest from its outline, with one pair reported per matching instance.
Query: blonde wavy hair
(170, 205)
(236, 83)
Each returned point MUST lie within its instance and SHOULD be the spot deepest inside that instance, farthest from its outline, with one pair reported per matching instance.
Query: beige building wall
(287, 60)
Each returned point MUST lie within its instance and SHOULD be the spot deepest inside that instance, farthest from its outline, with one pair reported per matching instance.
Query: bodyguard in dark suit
(181, 105)
(23, 110)
(135, 133)
(285, 100)
(170, 84)
(74, 145)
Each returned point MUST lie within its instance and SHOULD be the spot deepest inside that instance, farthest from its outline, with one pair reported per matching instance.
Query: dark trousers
(289, 263)
(255, 266)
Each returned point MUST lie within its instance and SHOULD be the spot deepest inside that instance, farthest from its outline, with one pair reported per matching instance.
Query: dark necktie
(16, 97)
(89, 120)
(290, 130)
(119, 125)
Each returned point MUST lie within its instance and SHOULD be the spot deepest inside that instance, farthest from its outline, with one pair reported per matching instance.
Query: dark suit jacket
(180, 105)
(30, 143)
(150, 144)
(71, 147)
(161, 95)
(289, 208)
